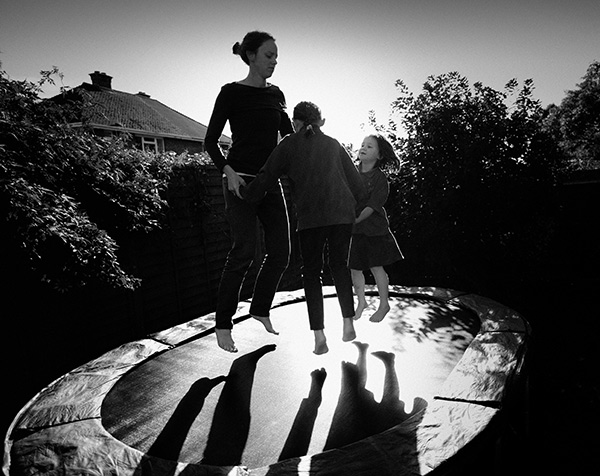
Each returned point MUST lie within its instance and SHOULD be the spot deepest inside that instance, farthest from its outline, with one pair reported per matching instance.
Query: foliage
(577, 121)
(67, 196)
(474, 196)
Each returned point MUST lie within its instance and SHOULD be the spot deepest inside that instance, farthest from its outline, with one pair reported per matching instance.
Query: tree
(474, 196)
(578, 121)
(66, 195)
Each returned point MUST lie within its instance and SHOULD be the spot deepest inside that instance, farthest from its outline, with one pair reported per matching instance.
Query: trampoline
(407, 395)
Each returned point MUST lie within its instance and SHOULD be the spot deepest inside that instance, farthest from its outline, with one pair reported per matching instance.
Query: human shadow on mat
(298, 440)
(171, 439)
(231, 421)
(358, 415)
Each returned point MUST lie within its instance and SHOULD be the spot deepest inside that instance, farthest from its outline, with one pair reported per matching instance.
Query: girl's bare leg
(382, 282)
(349, 332)
(358, 281)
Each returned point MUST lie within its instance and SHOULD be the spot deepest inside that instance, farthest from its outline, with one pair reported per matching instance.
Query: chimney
(101, 79)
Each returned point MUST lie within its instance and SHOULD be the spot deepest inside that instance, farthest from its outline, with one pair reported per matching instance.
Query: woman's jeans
(312, 246)
(242, 217)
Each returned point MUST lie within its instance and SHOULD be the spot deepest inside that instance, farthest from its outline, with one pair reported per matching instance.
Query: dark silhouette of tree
(475, 192)
(67, 196)
(577, 121)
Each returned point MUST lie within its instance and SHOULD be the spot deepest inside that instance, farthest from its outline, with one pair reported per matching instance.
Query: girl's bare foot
(349, 332)
(266, 321)
(318, 376)
(360, 307)
(386, 357)
(362, 346)
(225, 340)
(320, 343)
(380, 313)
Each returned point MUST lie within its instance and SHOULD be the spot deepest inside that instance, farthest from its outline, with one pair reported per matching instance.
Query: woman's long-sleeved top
(256, 118)
(378, 190)
(324, 182)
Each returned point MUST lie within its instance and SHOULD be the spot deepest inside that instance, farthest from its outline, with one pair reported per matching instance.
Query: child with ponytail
(326, 188)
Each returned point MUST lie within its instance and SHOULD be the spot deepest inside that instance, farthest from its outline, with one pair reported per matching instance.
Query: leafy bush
(577, 121)
(474, 197)
(68, 196)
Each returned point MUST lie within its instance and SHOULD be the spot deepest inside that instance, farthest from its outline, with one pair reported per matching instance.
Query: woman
(326, 188)
(257, 118)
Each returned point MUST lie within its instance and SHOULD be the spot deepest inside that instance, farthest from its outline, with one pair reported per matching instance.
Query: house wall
(181, 146)
(178, 146)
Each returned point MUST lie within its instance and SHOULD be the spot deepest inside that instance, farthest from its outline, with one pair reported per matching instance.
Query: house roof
(139, 113)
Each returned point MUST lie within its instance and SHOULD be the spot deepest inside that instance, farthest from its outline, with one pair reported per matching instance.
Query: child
(373, 245)
(326, 188)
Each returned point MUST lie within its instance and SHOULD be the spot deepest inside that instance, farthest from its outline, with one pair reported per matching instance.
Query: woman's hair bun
(250, 44)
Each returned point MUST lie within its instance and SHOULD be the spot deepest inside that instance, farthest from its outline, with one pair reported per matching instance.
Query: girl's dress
(372, 241)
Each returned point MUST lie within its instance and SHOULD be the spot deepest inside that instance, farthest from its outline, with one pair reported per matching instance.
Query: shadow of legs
(298, 440)
(231, 422)
(171, 439)
(351, 420)
(169, 442)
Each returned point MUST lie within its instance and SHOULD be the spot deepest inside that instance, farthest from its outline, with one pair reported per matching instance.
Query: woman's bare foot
(320, 343)
(360, 307)
(225, 340)
(266, 321)
(349, 332)
(384, 308)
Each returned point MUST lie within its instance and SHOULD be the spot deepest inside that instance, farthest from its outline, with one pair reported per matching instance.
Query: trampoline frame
(61, 426)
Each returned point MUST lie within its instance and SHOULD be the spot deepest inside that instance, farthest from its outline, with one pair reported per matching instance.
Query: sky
(345, 56)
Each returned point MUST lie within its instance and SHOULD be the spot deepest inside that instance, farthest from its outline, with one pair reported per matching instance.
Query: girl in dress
(373, 245)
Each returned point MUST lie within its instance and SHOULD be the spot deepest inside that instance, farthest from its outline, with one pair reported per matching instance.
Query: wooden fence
(180, 268)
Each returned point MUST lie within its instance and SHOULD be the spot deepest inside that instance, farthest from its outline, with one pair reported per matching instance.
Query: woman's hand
(366, 213)
(234, 181)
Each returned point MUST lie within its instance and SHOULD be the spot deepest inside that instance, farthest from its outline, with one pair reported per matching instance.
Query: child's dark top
(324, 182)
(378, 190)
(255, 117)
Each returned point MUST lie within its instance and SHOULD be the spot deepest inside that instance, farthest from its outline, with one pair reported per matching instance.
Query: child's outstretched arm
(366, 213)
(268, 175)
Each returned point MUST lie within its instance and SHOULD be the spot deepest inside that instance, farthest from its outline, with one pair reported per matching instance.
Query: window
(152, 144)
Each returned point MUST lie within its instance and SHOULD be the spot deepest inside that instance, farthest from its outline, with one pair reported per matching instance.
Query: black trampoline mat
(275, 399)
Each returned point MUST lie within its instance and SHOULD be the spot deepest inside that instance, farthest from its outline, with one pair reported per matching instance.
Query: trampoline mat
(275, 399)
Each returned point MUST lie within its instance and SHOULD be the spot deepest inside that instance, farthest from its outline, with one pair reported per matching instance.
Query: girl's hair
(310, 114)
(388, 159)
(250, 44)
